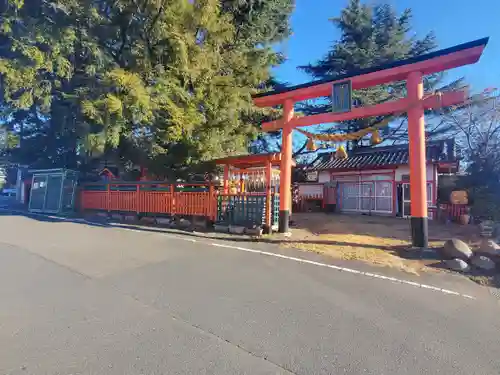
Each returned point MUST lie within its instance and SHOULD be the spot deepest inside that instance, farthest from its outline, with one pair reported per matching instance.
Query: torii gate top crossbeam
(449, 58)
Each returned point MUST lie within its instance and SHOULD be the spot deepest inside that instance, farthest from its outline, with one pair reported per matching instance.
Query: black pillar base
(419, 232)
(283, 221)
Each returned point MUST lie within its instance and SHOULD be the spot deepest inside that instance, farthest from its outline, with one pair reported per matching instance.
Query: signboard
(342, 97)
(312, 176)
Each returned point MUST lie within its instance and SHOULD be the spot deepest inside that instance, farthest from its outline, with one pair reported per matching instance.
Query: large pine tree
(164, 84)
(370, 35)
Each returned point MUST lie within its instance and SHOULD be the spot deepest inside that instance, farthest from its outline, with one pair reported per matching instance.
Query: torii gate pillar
(418, 174)
(286, 168)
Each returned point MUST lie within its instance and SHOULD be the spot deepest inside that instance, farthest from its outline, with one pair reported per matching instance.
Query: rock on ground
(184, 223)
(489, 247)
(456, 248)
(457, 265)
(482, 262)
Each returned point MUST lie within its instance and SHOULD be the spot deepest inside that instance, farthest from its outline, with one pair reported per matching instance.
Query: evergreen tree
(371, 35)
(164, 84)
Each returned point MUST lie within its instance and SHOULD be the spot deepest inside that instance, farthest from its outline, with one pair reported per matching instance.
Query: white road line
(275, 255)
(344, 269)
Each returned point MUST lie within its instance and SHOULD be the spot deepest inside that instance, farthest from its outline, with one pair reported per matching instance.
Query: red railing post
(269, 174)
(108, 196)
(212, 203)
(137, 199)
(172, 199)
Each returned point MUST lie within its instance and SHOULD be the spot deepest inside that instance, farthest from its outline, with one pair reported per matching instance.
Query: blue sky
(453, 22)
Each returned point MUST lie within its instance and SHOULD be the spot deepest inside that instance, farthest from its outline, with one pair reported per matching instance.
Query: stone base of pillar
(284, 219)
(419, 232)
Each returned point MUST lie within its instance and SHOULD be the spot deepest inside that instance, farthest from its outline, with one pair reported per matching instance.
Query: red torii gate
(410, 70)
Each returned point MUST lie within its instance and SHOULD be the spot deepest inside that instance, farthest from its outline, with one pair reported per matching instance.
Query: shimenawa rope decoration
(374, 130)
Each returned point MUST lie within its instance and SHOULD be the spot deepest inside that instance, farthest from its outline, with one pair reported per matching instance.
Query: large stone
(117, 217)
(489, 247)
(221, 228)
(200, 222)
(456, 248)
(184, 223)
(236, 229)
(482, 262)
(130, 218)
(148, 220)
(254, 231)
(458, 265)
(163, 220)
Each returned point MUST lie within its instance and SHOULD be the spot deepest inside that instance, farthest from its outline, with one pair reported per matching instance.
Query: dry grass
(377, 240)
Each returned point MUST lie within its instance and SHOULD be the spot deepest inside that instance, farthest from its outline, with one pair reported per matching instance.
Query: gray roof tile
(379, 157)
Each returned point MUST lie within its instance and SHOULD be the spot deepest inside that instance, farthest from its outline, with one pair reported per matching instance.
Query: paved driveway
(80, 299)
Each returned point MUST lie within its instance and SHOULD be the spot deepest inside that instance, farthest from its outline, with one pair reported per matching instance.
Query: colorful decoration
(251, 180)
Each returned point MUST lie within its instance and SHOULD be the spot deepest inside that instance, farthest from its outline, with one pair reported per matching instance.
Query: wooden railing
(182, 199)
(151, 198)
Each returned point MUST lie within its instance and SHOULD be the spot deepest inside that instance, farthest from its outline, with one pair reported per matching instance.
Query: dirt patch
(381, 241)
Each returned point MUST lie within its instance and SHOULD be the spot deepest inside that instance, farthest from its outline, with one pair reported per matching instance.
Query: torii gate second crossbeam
(410, 70)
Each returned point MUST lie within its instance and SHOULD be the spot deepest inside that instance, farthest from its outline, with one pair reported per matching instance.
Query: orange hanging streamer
(311, 146)
(341, 153)
(376, 138)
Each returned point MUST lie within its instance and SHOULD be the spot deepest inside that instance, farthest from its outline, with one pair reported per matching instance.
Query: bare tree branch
(300, 150)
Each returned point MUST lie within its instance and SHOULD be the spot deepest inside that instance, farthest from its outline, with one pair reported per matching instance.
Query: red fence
(187, 199)
(148, 198)
(453, 211)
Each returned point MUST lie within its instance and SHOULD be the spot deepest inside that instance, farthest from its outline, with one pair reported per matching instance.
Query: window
(407, 199)
(383, 196)
(367, 196)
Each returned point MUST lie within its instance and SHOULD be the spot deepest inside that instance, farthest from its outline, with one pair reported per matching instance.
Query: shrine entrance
(250, 196)
(414, 104)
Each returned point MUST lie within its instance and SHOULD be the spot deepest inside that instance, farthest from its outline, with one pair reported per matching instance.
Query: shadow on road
(104, 223)
(431, 259)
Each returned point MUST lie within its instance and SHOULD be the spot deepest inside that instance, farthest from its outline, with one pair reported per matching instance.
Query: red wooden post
(212, 202)
(418, 179)
(108, 196)
(286, 167)
(394, 194)
(137, 199)
(172, 199)
(226, 178)
(435, 186)
(269, 172)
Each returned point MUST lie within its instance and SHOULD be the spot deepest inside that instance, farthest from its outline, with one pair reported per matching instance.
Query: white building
(376, 180)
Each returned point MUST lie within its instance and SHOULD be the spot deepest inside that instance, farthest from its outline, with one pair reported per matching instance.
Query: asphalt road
(79, 299)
